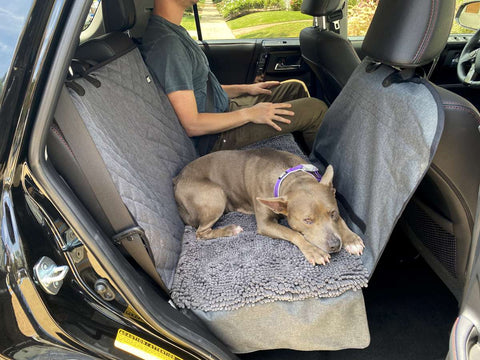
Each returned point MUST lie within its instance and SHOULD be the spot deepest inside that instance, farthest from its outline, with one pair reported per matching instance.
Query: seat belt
(128, 234)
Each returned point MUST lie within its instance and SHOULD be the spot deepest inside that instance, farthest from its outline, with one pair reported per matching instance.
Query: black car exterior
(74, 324)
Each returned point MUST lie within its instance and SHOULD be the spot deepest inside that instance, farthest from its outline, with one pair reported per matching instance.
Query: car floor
(410, 312)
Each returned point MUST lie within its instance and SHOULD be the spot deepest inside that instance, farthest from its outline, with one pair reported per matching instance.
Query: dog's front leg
(350, 241)
(313, 254)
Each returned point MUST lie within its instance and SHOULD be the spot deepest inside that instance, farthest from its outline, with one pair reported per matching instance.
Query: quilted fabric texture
(143, 146)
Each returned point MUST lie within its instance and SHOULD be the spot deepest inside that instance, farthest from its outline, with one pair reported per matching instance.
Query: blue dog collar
(307, 168)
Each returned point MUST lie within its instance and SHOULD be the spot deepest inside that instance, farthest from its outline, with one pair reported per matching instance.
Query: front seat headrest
(118, 15)
(321, 7)
(409, 33)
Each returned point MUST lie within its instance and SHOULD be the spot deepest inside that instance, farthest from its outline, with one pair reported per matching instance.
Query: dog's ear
(327, 178)
(277, 204)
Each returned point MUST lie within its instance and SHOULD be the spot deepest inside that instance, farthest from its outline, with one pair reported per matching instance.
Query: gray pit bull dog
(245, 180)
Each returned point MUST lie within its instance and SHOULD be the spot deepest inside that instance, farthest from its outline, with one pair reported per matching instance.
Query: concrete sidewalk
(212, 23)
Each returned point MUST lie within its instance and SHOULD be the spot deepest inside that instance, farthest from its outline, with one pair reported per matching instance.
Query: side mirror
(468, 15)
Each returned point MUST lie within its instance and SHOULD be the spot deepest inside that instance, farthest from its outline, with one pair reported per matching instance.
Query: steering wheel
(468, 66)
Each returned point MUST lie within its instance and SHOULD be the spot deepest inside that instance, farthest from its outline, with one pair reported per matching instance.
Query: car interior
(113, 121)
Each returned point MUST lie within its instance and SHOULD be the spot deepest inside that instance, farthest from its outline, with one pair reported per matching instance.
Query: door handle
(284, 67)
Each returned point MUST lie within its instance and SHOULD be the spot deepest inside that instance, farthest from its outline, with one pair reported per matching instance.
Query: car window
(242, 19)
(239, 19)
(360, 14)
(91, 14)
(13, 15)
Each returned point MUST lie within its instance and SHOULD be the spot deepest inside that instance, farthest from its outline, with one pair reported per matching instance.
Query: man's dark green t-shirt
(178, 63)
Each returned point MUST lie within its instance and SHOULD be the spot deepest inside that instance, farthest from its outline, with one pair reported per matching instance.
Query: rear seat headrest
(118, 15)
(409, 33)
(321, 7)
(104, 48)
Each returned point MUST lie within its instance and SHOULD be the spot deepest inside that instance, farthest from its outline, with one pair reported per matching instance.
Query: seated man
(221, 117)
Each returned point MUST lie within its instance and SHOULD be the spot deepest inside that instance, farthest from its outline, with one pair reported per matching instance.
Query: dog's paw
(231, 230)
(236, 229)
(354, 244)
(315, 255)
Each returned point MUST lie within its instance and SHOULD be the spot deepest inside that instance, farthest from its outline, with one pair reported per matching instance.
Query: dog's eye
(334, 215)
(308, 221)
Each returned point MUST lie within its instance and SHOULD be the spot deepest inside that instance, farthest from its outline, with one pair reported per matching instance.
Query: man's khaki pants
(309, 113)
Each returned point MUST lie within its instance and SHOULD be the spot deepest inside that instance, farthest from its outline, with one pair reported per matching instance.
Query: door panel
(248, 61)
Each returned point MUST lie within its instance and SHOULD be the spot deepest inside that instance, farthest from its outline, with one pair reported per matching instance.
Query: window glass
(360, 14)
(13, 15)
(91, 14)
(240, 19)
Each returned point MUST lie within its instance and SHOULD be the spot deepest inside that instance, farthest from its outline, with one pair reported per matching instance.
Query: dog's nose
(334, 243)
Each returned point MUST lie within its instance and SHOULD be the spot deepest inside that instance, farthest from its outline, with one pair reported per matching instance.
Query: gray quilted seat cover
(143, 146)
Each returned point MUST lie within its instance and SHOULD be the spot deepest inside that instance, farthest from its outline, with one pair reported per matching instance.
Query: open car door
(464, 339)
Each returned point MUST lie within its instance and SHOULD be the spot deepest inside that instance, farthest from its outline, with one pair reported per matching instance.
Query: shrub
(231, 9)
(360, 14)
(295, 5)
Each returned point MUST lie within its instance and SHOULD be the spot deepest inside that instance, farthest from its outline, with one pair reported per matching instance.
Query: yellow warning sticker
(132, 314)
(141, 348)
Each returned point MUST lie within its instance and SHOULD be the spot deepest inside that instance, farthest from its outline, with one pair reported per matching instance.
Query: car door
(464, 339)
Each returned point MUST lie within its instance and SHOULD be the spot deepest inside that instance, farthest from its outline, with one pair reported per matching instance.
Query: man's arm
(250, 89)
(196, 124)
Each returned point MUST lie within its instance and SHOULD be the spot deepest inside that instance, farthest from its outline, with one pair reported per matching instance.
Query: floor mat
(410, 312)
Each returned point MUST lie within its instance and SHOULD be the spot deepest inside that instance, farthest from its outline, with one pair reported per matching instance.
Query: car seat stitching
(454, 106)
(62, 139)
(427, 35)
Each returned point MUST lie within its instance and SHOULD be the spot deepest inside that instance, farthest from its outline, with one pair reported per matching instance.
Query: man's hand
(267, 113)
(261, 87)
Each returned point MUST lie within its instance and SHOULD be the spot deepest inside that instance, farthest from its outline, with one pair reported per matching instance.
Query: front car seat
(405, 35)
(331, 57)
(439, 218)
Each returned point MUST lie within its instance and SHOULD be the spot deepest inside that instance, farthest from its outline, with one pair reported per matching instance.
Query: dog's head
(311, 209)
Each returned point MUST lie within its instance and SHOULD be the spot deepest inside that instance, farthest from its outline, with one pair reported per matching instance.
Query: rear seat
(143, 146)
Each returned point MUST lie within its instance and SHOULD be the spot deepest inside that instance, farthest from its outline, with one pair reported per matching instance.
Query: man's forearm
(197, 124)
(213, 123)
(234, 91)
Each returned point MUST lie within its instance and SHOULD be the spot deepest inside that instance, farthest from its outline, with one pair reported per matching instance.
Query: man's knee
(294, 89)
(317, 106)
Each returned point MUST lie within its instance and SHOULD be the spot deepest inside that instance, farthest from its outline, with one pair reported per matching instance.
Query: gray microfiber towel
(232, 272)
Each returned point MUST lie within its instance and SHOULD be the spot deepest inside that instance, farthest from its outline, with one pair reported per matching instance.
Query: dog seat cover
(143, 147)
(380, 140)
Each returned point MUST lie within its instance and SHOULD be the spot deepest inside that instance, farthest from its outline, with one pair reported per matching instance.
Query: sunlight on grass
(188, 22)
(266, 17)
(277, 31)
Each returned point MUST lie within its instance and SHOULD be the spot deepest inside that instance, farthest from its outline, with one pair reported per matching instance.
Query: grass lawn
(188, 22)
(277, 31)
(266, 17)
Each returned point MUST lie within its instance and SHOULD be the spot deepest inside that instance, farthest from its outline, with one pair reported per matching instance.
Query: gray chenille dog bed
(248, 269)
